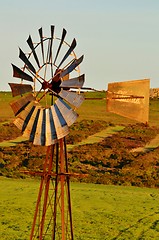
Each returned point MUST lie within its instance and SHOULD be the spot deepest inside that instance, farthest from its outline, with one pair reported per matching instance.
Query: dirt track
(154, 143)
(98, 137)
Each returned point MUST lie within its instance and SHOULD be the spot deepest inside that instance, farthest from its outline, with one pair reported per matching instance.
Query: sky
(119, 38)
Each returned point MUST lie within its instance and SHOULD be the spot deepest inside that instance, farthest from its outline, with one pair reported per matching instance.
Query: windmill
(44, 110)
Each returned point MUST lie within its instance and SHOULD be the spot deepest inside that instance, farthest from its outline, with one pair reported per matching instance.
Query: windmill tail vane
(129, 99)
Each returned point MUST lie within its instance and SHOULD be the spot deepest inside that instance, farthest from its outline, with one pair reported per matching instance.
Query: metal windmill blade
(45, 108)
(129, 99)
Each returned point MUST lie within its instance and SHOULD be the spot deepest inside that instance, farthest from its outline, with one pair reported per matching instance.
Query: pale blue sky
(119, 38)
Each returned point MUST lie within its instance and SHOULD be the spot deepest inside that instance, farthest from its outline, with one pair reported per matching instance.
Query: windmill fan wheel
(45, 108)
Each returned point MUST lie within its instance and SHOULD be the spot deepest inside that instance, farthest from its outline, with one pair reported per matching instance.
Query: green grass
(99, 212)
(6, 113)
(90, 109)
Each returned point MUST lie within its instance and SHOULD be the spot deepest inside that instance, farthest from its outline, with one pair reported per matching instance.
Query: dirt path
(13, 142)
(154, 143)
(98, 137)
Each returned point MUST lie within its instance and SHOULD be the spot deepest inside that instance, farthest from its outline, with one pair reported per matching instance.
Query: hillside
(109, 161)
(112, 160)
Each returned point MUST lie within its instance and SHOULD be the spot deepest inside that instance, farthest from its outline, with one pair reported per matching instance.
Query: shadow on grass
(136, 225)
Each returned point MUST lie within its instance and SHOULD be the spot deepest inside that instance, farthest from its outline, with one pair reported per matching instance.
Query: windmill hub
(56, 81)
(46, 85)
(55, 86)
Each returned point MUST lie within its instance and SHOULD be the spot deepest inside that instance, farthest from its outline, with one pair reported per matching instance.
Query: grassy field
(6, 113)
(99, 212)
(90, 109)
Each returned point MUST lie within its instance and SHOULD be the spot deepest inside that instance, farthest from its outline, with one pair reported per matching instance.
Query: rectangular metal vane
(129, 99)
(29, 132)
(72, 97)
(50, 129)
(20, 104)
(61, 131)
(39, 136)
(19, 89)
(22, 117)
(68, 114)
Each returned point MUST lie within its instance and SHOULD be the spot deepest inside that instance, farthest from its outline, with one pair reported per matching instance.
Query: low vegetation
(83, 129)
(110, 161)
(101, 211)
(8, 131)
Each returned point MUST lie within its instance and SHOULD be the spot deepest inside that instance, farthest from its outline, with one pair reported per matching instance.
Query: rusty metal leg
(55, 191)
(68, 190)
(56, 200)
(39, 195)
(37, 208)
(45, 180)
(47, 184)
(62, 178)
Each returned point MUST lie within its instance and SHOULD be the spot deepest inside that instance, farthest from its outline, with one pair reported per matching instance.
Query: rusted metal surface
(129, 99)
(39, 219)
(54, 197)
(19, 89)
(62, 182)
